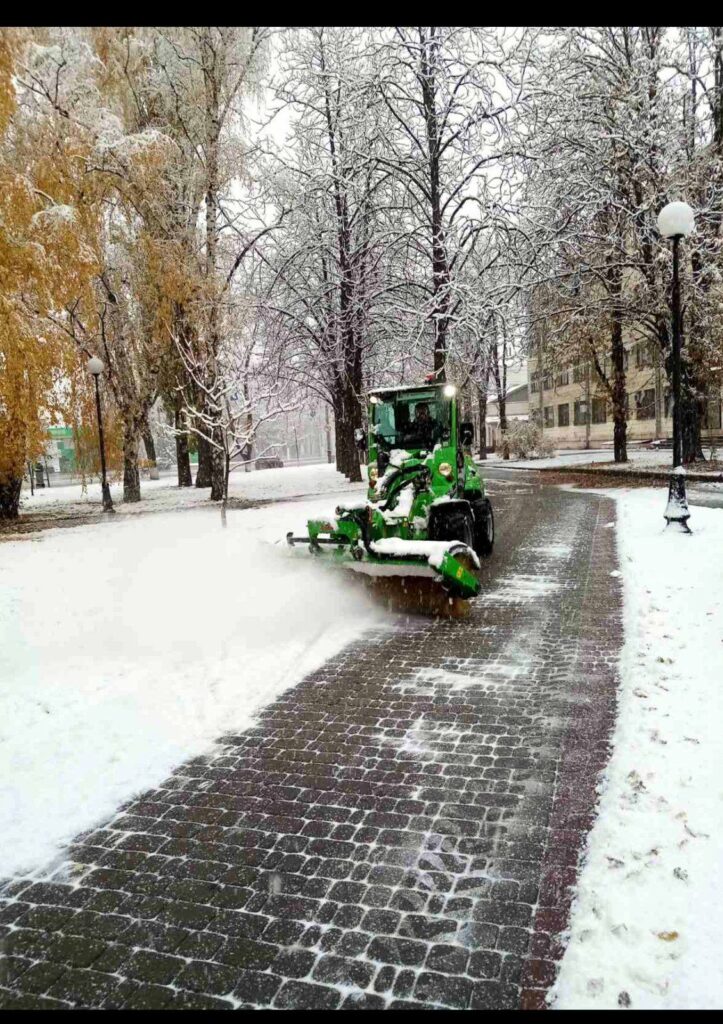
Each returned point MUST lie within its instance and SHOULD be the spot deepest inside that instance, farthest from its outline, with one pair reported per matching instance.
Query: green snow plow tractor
(426, 520)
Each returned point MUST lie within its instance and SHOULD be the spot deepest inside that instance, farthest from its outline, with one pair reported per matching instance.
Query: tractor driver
(424, 428)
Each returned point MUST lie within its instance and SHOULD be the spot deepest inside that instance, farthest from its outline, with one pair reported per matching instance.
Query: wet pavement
(400, 830)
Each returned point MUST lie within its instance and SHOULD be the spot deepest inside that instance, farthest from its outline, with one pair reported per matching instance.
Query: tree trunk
(131, 476)
(183, 459)
(150, 447)
(620, 406)
(502, 406)
(149, 444)
(440, 263)
(691, 415)
(482, 406)
(347, 416)
(217, 471)
(10, 497)
(203, 476)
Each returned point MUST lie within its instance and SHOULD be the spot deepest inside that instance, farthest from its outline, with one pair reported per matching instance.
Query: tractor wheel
(484, 531)
(456, 525)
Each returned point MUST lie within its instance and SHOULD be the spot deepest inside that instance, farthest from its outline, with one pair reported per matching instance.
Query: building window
(536, 417)
(599, 410)
(563, 415)
(562, 378)
(578, 374)
(645, 404)
(668, 404)
(549, 416)
(643, 354)
(626, 359)
(534, 379)
(580, 413)
(547, 382)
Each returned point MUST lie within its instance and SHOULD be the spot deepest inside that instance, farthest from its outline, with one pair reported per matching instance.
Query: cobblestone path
(400, 830)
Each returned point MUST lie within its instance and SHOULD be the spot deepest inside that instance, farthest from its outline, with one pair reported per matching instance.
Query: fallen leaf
(681, 874)
(668, 936)
(624, 1000)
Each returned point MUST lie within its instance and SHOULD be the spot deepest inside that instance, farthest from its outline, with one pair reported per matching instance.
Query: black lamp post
(96, 367)
(676, 221)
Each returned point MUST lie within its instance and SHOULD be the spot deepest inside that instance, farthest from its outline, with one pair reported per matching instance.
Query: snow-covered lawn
(638, 458)
(128, 646)
(646, 924)
(289, 482)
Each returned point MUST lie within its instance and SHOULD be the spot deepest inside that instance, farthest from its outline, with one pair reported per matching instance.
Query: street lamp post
(676, 221)
(96, 367)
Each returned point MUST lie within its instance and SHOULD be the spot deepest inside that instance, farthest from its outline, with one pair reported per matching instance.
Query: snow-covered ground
(638, 458)
(130, 645)
(289, 482)
(645, 926)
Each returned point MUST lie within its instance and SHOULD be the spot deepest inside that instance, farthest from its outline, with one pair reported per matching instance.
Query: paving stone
(149, 997)
(246, 953)
(84, 988)
(298, 995)
(76, 951)
(493, 995)
(449, 990)
(158, 968)
(447, 959)
(399, 951)
(209, 978)
(336, 970)
(362, 1001)
(36, 978)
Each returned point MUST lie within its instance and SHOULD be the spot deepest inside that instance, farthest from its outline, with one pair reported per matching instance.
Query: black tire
(484, 532)
(457, 524)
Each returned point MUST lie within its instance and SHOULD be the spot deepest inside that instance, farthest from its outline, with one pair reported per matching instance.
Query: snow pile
(398, 456)
(645, 927)
(405, 500)
(127, 647)
(433, 550)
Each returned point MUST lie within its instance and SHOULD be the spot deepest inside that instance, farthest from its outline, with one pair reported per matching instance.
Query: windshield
(413, 421)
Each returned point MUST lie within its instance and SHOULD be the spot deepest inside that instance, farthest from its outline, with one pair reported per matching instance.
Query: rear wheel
(484, 528)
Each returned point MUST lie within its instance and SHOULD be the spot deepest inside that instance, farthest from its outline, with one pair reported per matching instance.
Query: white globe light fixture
(450, 390)
(95, 365)
(676, 220)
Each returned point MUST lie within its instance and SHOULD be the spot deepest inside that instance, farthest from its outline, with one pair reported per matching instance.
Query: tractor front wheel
(457, 524)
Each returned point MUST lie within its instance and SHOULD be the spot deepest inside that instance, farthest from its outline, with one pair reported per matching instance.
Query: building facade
(574, 411)
(517, 407)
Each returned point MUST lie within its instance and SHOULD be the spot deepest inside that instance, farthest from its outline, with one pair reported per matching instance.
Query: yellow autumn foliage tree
(45, 264)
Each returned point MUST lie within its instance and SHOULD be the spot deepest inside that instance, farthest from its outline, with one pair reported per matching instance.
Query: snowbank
(127, 647)
(638, 458)
(646, 922)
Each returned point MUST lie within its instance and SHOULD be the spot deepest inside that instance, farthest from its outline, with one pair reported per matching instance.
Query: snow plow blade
(430, 577)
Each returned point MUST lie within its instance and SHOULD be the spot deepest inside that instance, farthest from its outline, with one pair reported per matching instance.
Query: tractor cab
(421, 423)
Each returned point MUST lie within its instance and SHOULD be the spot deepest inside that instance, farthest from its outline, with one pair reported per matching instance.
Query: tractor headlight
(445, 469)
(373, 474)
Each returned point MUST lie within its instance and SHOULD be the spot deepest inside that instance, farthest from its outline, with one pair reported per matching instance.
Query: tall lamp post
(676, 221)
(96, 367)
